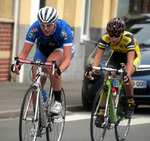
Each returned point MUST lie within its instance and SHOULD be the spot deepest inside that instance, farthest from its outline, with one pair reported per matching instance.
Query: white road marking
(87, 115)
(77, 116)
(140, 120)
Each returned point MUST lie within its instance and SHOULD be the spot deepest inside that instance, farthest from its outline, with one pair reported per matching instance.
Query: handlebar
(121, 70)
(38, 63)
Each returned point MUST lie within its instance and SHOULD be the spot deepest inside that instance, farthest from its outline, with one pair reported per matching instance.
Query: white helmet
(47, 15)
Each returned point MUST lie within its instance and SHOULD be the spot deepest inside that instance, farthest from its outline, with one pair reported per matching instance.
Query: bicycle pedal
(58, 119)
(109, 126)
(103, 124)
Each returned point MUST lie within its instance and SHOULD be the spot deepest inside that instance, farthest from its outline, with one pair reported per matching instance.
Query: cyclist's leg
(129, 90)
(56, 82)
(57, 55)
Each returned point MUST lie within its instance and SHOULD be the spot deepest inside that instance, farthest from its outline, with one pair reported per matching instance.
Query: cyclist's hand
(17, 69)
(125, 78)
(58, 72)
(89, 74)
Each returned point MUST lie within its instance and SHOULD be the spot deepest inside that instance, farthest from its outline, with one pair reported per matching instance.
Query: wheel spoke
(56, 121)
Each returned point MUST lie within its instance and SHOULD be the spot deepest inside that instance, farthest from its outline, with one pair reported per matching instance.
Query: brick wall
(5, 49)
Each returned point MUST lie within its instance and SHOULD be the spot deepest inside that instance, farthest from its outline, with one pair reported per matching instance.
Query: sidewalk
(12, 93)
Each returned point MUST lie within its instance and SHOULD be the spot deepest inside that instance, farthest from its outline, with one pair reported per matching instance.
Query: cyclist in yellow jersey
(125, 49)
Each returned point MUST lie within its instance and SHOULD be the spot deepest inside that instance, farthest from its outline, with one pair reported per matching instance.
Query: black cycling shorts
(47, 49)
(115, 59)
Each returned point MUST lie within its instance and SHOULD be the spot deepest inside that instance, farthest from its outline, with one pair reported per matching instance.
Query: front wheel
(28, 126)
(98, 133)
(55, 129)
(122, 125)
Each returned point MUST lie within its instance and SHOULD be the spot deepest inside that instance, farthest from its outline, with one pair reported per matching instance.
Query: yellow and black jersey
(127, 43)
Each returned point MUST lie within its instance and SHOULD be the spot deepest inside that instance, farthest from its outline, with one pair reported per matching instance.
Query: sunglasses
(46, 25)
(117, 36)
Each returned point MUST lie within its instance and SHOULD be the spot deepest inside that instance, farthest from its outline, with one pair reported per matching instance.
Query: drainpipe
(35, 4)
(15, 34)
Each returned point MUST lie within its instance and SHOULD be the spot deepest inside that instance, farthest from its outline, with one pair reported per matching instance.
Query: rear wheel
(122, 125)
(98, 133)
(55, 129)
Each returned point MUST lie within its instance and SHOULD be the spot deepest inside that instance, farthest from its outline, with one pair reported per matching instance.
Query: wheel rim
(27, 128)
(122, 128)
(97, 133)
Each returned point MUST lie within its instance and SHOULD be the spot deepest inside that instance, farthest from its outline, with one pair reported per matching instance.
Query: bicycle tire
(55, 129)
(28, 128)
(98, 133)
(122, 125)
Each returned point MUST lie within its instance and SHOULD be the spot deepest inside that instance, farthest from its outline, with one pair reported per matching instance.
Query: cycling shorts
(42, 55)
(117, 57)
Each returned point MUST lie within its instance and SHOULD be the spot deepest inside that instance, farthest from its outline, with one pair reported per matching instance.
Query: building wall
(6, 32)
(6, 9)
(72, 12)
(5, 50)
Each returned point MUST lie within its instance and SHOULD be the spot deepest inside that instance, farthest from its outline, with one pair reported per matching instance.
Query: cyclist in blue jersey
(55, 43)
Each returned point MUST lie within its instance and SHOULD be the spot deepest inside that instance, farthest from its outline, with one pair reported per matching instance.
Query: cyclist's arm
(23, 55)
(98, 57)
(66, 58)
(67, 47)
(25, 51)
(96, 62)
(103, 43)
(130, 56)
(130, 59)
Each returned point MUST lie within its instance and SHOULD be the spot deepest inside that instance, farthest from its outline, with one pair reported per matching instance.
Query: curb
(9, 114)
(16, 113)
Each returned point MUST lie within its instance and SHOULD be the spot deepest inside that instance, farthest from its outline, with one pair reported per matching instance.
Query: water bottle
(113, 92)
(44, 95)
(115, 96)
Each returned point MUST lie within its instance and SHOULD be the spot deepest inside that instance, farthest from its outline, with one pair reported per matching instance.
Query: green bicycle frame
(113, 106)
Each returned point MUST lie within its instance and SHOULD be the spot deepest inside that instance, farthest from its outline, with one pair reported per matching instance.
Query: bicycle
(114, 109)
(35, 117)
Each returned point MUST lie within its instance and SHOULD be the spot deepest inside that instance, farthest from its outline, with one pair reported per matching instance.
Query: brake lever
(56, 67)
(54, 63)
(89, 68)
(15, 62)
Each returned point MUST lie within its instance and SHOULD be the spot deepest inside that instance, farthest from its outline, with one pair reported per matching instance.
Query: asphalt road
(77, 127)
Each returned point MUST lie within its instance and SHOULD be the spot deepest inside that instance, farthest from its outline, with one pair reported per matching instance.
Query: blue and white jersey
(62, 36)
